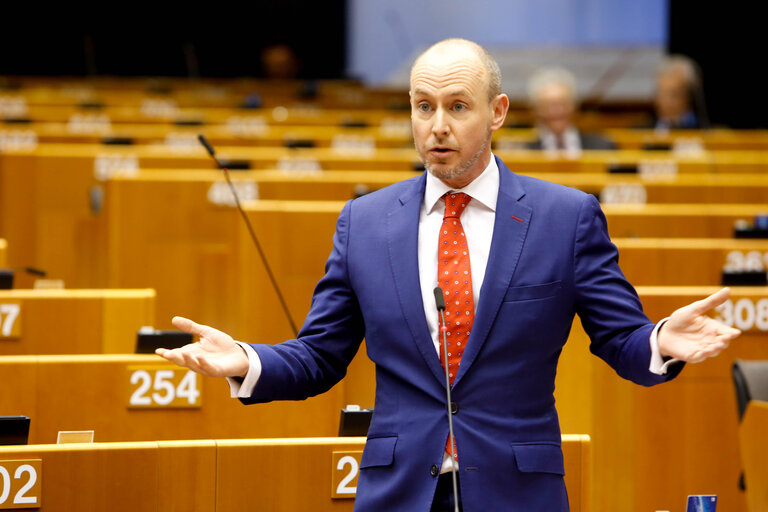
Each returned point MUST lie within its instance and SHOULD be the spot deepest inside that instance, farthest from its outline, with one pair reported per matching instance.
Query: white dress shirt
(570, 138)
(478, 220)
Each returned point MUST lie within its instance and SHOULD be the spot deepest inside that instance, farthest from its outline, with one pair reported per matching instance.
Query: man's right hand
(215, 355)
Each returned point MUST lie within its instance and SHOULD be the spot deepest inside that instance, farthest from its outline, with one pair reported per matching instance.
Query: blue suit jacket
(550, 258)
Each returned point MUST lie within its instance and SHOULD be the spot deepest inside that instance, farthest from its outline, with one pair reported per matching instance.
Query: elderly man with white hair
(552, 95)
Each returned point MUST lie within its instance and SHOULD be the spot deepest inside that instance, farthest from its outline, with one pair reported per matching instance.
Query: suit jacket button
(434, 470)
(454, 407)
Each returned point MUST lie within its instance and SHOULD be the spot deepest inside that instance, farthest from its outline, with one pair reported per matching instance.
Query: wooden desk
(754, 453)
(716, 139)
(653, 446)
(51, 199)
(678, 220)
(92, 392)
(231, 289)
(3, 251)
(687, 261)
(74, 321)
(341, 185)
(281, 475)
(262, 128)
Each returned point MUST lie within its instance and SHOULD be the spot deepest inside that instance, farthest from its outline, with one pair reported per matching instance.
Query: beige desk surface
(78, 321)
(281, 475)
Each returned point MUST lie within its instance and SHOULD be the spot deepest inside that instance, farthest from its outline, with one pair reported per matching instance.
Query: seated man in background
(552, 95)
(679, 100)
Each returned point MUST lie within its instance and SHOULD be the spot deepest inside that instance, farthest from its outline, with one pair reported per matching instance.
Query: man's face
(672, 99)
(451, 116)
(554, 107)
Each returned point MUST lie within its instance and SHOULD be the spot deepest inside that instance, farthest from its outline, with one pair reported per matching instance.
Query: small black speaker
(236, 165)
(6, 279)
(14, 430)
(744, 278)
(354, 422)
(148, 340)
(622, 169)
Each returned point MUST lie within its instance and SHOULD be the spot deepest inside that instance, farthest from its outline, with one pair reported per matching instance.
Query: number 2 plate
(345, 468)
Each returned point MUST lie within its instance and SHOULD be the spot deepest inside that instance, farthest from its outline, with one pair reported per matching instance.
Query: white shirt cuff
(658, 366)
(245, 389)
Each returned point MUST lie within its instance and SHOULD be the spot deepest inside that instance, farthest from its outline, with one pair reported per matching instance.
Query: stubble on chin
(455, 172)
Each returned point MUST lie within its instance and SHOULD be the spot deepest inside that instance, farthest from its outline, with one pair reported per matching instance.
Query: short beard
(449, 174)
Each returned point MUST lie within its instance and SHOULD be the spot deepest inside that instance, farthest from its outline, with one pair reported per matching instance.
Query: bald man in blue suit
(539, 254)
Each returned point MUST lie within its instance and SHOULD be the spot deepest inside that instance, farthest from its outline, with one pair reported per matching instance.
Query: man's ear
(499, 107)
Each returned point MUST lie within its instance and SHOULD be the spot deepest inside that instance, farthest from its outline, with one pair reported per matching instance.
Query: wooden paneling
(686, 261)
(754, 453)
(91, 392)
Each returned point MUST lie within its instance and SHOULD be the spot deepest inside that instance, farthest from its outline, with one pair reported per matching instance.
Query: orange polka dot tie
(455, 278)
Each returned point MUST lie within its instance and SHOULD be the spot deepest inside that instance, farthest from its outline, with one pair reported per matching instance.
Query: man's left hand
(690, 335)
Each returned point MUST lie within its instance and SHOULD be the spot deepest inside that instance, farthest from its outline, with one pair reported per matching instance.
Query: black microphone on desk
(440, 303)
(263, 257)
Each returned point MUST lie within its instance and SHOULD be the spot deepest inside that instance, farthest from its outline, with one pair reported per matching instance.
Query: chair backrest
(750, 379)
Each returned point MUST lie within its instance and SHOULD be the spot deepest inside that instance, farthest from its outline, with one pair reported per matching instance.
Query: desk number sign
(21, 484)
(10, 320)
(345, 468)
(163, 387)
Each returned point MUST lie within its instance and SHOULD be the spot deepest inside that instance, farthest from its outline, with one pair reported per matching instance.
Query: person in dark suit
(552, 95)
(679, 100)
(515, 258)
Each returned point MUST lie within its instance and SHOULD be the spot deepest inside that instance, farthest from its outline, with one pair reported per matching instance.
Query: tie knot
(455, 203)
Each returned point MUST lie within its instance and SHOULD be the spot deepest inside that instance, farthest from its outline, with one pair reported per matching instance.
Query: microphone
(263, 256)
(440, 304)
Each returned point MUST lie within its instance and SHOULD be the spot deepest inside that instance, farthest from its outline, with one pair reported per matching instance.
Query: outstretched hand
(690, 335)
(215, 355)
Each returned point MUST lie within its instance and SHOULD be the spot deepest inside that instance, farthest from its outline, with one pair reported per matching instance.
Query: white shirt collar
(549, 140)
(484, 188)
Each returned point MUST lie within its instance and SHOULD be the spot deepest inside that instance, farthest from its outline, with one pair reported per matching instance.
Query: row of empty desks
(210, 270)
(247, 129)
(164, 112)
(56, 218)
(73, 321)
(344, 185)
(651, 446)
(103, 161)
(279, 475)
(200, 259)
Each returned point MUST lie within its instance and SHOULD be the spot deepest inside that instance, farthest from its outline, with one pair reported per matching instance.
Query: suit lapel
(509, 232)
(402, 228)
